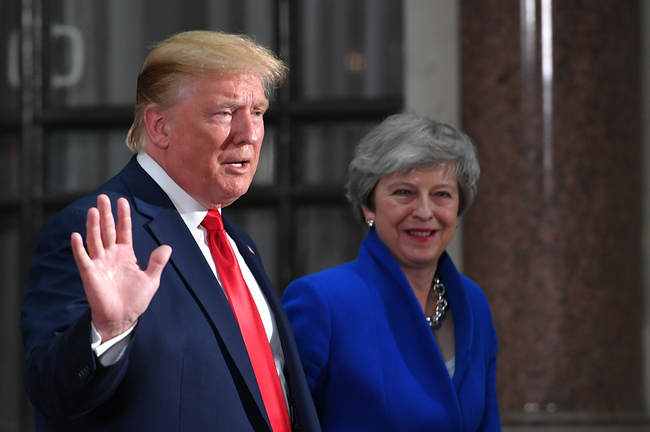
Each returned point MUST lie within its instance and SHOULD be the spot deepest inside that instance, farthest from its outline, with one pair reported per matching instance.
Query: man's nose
(246, 128)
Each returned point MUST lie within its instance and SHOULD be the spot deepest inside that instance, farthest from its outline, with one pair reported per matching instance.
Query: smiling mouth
(421, 233)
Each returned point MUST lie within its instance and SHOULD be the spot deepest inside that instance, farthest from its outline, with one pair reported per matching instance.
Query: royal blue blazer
(186, 368)
(371, 360)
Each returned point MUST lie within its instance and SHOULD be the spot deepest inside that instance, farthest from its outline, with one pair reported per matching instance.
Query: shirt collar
(190, 209)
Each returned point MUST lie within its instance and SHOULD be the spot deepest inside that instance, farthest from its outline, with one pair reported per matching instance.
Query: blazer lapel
(406, 321)
(463, 317)
(167, 227)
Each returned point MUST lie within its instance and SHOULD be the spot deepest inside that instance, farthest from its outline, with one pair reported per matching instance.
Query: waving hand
(118, 290)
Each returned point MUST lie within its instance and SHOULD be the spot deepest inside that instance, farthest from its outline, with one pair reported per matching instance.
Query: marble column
(551, 93)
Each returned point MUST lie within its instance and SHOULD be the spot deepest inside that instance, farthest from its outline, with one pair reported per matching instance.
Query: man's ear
(155, 122)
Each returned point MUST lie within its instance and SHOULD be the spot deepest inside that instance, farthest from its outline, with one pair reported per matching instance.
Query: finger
(124, 233)
(157, 261)
(106, 221)
(79, 252)
(93, 234)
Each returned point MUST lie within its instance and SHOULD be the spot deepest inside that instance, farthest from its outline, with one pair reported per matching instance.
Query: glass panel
(262, 226)
(11, 358)
(265, 174)
(325, 237)
(325, 151)
(10, 165)
(97, 48)
(252, 17)
(96, 51)
(10, 54)
(79, 162)
(350, 48)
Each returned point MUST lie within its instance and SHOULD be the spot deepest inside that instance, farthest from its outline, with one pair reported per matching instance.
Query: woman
(398, 340)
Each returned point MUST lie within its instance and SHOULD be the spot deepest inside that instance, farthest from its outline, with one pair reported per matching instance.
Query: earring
(370, 223)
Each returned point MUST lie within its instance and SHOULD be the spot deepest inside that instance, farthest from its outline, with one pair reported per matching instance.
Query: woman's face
(415, 214)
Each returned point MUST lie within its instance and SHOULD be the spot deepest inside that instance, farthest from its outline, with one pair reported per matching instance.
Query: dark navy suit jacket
(186, 368)
(371, 359)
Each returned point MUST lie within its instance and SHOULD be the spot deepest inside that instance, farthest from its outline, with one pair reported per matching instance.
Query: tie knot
(213, 221)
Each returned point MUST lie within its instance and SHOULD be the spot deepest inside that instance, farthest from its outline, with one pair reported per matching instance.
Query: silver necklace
(441, 305)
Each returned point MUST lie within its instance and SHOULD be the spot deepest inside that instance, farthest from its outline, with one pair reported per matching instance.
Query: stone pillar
(551, 93)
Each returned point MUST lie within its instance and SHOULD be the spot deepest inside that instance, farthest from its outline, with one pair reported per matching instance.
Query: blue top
(371, 360)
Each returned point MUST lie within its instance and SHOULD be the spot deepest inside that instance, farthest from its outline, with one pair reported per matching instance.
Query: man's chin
(231, 194)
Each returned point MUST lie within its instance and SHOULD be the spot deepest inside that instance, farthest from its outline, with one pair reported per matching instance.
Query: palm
(118, 291)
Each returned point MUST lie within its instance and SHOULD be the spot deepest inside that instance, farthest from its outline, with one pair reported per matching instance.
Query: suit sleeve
(308, 313)
(62, 376)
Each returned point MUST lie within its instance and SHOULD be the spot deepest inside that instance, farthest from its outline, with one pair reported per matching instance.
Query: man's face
(215, 135)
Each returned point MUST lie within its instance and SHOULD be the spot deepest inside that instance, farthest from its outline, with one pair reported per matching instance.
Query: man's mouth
(238, 164)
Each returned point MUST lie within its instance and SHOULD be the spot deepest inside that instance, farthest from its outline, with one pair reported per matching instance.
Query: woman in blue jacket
(398, 339)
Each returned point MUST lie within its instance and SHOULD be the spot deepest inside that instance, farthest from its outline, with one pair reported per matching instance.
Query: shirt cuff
(109, 352)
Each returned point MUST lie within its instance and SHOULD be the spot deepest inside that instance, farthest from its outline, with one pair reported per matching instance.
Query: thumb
(157, 261)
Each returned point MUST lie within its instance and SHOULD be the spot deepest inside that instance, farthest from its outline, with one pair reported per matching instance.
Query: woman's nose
(423, 209)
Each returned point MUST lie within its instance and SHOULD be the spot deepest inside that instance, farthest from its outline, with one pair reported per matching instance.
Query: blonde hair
(193, 54)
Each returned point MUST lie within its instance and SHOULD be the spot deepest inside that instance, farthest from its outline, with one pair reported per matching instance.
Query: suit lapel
(250, 253)
(302, 412)
(167, 227)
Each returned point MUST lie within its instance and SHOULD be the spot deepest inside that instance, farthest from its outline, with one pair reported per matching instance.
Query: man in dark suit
(138, 331)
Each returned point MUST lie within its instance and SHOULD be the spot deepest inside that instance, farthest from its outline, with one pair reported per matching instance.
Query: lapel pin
(251, 250)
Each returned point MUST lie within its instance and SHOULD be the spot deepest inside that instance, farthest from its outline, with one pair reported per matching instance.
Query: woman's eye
(402, 192)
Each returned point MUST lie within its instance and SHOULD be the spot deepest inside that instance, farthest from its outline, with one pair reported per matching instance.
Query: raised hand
(118, 290)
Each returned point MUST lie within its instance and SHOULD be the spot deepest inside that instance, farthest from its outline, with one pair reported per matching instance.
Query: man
(106, 354)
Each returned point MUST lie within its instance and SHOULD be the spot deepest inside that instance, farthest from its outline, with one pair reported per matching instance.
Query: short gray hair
(407, 141)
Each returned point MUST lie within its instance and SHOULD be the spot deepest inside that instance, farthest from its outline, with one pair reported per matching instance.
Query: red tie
(249, 321)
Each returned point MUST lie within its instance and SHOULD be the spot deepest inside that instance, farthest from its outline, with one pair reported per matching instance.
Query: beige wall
(432, 69)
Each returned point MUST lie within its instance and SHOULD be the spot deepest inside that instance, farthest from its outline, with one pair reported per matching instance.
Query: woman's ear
(157, 127)
(367, 213)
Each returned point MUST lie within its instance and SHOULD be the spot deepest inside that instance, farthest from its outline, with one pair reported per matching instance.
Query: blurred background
(553, 93)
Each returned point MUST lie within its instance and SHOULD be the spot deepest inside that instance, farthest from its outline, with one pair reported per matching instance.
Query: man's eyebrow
(263, 102)
(228, 104)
